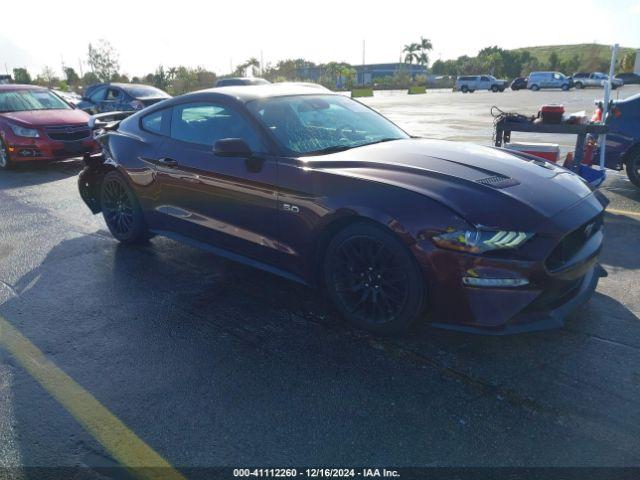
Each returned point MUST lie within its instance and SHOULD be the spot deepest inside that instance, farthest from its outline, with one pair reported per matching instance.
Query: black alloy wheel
(121, 210)
(373, 279)
(633, 167)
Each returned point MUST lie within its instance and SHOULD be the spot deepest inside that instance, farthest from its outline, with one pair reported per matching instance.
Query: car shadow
(620, 244)
(165, 331)
(34, 173)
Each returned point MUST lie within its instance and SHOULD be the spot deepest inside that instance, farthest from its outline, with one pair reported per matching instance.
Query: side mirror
(232, 147)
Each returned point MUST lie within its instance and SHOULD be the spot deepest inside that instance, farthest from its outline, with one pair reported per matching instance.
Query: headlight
(478, 241)
(24, 132)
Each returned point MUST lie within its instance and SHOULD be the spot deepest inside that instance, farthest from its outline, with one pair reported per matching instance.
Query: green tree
(89, 78)
(554, 61)
(411, 52)
(103, 60)
(571, 65)
(627, 62)
(241, 70)
(47, 78)
(21, 75)
(71, 77)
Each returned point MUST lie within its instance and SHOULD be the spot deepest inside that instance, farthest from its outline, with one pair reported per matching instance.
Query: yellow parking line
(124, 445)
(623, 212)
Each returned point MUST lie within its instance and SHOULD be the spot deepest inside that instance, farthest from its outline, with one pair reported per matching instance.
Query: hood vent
(498, 181)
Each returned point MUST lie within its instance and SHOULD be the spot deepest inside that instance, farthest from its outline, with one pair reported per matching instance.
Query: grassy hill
(592, 56)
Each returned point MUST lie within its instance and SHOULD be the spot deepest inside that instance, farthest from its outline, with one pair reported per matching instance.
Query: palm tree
(410, 52)
(424, 46)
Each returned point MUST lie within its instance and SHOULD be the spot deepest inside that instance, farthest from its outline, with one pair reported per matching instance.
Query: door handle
(167, 162)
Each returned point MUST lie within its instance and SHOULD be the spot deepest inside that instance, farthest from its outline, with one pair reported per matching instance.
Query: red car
(37, 125)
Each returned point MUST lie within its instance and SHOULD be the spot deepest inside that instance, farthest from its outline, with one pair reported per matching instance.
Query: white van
(538, 80)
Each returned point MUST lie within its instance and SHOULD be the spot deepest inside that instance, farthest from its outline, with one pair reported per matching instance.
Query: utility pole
(363, 60)
(80, 65)
(261, 64)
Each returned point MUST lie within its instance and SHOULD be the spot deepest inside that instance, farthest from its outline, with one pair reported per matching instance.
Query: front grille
(572, 243)
(68, 133)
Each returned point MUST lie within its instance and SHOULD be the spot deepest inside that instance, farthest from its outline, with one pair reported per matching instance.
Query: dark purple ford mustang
(322, 190)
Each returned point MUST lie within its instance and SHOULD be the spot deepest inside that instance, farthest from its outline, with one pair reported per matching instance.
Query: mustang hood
(486, 186)
(42, 118)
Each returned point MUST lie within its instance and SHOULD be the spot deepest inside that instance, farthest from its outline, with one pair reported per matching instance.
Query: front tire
(5, 162)
(373, 279)
(121, 210)
(565, 87)
(633, 167)
(535, 88)
(494, 88)
(464, 89)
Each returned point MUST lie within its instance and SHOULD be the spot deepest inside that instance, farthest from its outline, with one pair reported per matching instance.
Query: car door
(484, 83)
(227, 202)
(96, 98)
(111, 102)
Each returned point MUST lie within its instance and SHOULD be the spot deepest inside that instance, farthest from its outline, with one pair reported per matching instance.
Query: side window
(98, 95)
(153, 122)
(484, 79)
(206, 123)
(113, 94)
(556, 76)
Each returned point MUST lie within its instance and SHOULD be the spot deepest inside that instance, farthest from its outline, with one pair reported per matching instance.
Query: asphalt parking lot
(210, 363)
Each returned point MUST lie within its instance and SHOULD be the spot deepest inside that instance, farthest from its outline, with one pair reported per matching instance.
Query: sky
(218, 35)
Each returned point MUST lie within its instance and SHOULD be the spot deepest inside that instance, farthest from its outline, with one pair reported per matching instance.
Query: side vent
(498, 181)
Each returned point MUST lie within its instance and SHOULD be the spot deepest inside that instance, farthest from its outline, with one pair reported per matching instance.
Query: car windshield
(23, 100)
(145, 91)
(318, 124)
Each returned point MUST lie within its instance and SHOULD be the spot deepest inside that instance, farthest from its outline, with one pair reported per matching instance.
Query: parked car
(471, 83)
(109, 97)
(623, 139)
(519, 83)
(69, 97)
(320, 189)
(235, 81)
(628, 78)
(538, 80)
(595, 79)
(36, 125)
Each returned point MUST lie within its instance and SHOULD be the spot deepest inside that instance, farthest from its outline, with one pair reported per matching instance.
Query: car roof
(18, 86)
(247, 93)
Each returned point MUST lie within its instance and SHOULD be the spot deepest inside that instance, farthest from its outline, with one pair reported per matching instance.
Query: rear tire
(494, 88)
(5, 163)
(464, 89)
(121, 210)
(632, 165)
(535, 88)
(373, 279)
(579, 85)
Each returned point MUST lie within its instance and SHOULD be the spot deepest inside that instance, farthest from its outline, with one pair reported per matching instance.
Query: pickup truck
(595, 79)
(471, 83)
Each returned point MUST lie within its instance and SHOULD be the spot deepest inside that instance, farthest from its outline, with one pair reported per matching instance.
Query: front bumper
(534, 321)
(559, 267)
(46, 150)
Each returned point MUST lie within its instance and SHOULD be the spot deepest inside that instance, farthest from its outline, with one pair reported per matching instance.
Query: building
(366, 74)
